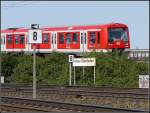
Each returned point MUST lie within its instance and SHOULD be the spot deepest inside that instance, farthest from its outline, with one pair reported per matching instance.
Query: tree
(8, 63)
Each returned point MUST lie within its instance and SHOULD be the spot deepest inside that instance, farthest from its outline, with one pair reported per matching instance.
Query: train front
(118, 36)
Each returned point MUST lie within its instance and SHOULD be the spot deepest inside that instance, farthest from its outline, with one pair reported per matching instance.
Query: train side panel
(72, 39)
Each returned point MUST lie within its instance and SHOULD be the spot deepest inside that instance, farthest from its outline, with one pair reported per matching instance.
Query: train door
(9, 41)
(19, 41)
(46, 41)
(68, 40)
(61, 40)
(93, 39)
(75, 40)
(54, 40)
(83, 41)
(2, 42)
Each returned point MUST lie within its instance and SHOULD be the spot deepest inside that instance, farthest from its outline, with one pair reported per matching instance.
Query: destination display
(84, 62)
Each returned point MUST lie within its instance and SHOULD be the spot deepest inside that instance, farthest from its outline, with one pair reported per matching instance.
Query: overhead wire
(15, 4)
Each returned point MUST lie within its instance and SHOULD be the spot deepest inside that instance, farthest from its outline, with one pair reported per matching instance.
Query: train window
(115, 34)
(10, 39)
(85, 38)
(4, 39)
(16, 39)
(21, 39)
(92, 37)
(98, 41)
(45, 38)
(61, 38)
(75, 38)
(68, 38)
(81, 38)
(55, 38)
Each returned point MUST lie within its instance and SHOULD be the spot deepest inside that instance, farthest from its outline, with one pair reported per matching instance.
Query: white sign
(71, 57)
(143, 81)
(2, 79)
(84, 62)
(35, 36)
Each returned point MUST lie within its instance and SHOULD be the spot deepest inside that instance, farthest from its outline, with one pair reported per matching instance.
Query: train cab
(118, 36)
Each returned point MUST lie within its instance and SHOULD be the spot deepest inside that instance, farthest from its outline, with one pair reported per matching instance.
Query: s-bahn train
(69, 39)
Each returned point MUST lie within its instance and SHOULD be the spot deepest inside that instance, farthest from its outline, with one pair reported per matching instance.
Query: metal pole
(94, 75)
(70, 75)
(74, 77)
(34, 72)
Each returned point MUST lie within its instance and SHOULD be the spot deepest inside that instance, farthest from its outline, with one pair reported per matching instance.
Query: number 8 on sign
(35, 36)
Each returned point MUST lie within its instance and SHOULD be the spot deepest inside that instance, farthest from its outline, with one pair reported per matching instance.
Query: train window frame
(61, 39)
(11, 39)
(75, 39)
(21, 41)
(47, 38)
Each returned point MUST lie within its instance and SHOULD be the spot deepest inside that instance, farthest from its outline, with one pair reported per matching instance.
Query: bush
(112, 70)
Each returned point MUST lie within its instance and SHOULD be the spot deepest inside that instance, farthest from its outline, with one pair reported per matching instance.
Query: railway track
(133, 98)
(27, 104)
(73, 88)
(9, 85)
(81, 91)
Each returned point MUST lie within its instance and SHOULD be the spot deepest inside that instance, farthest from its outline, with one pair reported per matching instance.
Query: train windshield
(115, 34)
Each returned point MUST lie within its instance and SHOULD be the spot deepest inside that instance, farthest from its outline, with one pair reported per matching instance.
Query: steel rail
(82, 93)
(61, 105)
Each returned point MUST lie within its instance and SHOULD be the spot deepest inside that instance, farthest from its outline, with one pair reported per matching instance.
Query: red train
(72, 39)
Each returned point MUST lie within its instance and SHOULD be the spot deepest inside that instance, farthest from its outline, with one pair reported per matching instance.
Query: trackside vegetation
(112, 70)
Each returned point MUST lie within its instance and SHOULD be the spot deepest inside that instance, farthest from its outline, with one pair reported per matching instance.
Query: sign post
(81, 62)
(94, 75)
(74, 76)
(34, 71)
(35, 36)
(70, 74)
(71, 57)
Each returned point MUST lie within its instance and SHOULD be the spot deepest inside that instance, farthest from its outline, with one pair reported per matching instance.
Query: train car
(69, 39)
(14, 40)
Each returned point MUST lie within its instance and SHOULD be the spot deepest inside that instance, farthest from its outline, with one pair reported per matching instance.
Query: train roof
(73, 27)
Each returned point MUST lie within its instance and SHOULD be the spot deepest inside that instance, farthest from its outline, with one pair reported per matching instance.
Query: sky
(135, 14)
